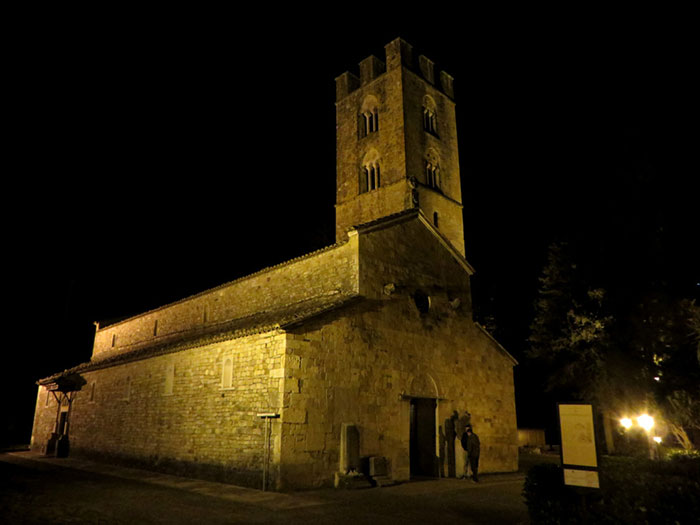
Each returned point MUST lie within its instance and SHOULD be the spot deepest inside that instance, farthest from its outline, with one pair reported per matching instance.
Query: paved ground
(49, 490)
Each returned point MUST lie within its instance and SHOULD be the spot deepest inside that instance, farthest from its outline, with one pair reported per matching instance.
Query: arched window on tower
(432, 170)
(368, 117)
(370, 172)
(429, 115)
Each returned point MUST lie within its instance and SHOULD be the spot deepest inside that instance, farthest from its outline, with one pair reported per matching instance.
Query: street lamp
(646, 422)
(626, 422)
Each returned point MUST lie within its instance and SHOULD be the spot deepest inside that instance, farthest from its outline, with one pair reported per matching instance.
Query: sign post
(579, 456)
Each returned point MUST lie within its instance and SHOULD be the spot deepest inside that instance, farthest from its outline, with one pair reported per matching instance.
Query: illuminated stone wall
(330, 270)
(359, 365)
(355, 370)
(199, 428)
(401, 142)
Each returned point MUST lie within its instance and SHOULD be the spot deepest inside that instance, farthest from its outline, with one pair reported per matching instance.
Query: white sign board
(578, 445)
(581, 478)
(577, 435)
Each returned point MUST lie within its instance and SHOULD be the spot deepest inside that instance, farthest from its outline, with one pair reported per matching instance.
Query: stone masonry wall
(418, 141)
(411, 258)
(326, 271)
(402, 144)
(359, 369)
(451, 222)
(388, 141)
(362, 363)
(199, 428)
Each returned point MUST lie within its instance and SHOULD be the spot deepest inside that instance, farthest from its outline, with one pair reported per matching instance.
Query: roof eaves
(226, 284)
(266, 322)
(498, 345)
(390, 220)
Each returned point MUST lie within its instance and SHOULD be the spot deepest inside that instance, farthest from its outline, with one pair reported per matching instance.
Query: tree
(663, 334)
(569, 333)
(678, 369)
(571, 339)
(694, 324)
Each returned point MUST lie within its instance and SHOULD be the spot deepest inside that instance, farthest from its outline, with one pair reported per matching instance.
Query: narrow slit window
(227, 374)
(169, 379)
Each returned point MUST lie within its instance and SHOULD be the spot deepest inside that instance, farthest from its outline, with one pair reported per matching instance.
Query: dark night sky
(158, 156)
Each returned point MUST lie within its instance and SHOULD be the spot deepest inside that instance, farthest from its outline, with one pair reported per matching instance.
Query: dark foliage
(632, 491)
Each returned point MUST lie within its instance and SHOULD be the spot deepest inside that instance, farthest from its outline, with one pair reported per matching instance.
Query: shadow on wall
(450, 433)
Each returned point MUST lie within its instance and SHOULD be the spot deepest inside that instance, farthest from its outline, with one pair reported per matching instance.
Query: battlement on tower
(398, 53)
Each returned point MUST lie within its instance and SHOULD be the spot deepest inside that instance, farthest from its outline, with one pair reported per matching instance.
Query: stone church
(361, 357)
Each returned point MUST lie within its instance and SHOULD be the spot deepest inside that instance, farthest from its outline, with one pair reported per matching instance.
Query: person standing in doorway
(472, 445)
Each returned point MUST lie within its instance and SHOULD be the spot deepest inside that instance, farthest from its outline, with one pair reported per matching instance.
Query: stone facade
(401, 93)
(375, 331)
(126, 413)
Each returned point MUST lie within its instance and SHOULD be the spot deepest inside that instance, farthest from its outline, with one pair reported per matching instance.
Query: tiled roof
(263, 321)
(226, 284)
(388, 219)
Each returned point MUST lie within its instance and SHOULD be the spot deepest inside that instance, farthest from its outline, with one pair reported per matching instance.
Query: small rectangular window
(92, 392)
(169, 379)
(227, 373)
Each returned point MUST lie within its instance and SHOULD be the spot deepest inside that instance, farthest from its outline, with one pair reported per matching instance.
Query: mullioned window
(433, 175)
(430, 115)
(370, 172)
(368, 117)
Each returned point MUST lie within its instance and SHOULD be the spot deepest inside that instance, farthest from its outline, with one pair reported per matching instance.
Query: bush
(546, 497)
(632, 490)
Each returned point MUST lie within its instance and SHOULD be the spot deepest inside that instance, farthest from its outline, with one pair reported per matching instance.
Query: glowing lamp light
(626, 422)
(657, 439)
(646, 422)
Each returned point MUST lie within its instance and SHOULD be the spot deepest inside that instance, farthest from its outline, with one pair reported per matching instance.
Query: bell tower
(396, 143)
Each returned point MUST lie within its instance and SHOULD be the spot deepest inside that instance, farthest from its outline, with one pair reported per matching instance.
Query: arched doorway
(423, 396)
